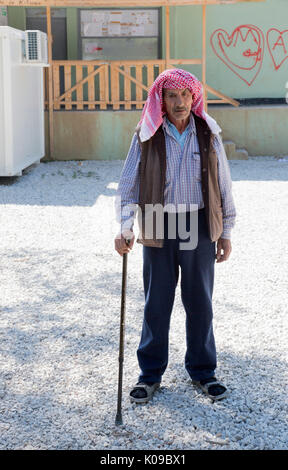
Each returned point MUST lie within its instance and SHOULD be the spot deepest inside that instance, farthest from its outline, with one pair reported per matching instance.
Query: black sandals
(212, 388)
(143, 392)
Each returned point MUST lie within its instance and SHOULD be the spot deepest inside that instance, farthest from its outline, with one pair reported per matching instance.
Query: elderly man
(177, 159)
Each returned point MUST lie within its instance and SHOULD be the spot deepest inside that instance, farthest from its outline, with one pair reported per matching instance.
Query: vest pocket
(197, 166)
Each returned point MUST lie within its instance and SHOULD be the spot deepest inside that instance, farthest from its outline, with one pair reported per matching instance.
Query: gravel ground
(59, 316)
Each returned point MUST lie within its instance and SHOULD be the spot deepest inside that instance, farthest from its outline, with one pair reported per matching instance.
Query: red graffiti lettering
(278, 46)
(246, 62)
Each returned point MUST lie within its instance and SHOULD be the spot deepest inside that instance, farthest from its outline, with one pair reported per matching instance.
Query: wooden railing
(99, 85)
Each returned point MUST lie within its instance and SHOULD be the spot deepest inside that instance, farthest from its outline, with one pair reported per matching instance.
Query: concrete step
(233, 153)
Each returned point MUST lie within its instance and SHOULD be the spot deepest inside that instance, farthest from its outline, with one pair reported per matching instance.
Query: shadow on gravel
(59, 411)
(254, 410)
(49, 422)
(250, 170)
(68, 302)
(61, 184)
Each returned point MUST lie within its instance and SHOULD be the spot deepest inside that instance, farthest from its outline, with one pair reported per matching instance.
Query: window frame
(159, 36)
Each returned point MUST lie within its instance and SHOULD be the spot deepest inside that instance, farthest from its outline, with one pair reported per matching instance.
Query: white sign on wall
(122, 23)
(3, 16)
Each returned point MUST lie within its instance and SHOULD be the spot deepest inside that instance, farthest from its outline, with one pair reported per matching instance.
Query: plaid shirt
(183, 177)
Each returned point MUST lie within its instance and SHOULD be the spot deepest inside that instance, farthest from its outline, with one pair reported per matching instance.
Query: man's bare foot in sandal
(143, 392)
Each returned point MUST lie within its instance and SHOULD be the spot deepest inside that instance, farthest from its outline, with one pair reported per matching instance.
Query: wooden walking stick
(118, 419)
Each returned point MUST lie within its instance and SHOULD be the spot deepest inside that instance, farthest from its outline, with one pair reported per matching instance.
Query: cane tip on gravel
(118, 420)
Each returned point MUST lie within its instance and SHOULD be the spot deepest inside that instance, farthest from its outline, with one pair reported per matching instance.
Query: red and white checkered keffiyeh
(152, 114)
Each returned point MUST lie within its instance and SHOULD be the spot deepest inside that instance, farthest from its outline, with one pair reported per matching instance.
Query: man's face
(177, 103)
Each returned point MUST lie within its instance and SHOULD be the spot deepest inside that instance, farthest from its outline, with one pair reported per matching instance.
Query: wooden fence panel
(127, 88)
(67, 81)
(117, 83)
(56, 84)
(115, 98)
(150, 74)
(161, 67)
(102, 87)
(79, 92)
(91, 88)
(107, 81)
(139, 90)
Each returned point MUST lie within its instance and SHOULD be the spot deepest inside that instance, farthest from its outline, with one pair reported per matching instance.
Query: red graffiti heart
(278, 46)
(245, 45)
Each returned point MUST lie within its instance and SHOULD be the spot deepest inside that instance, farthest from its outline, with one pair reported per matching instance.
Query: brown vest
(153, 177)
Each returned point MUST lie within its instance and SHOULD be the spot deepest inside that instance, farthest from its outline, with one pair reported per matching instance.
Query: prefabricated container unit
(22, 136)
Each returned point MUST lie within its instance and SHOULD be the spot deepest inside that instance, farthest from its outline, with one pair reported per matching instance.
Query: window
(36, 19)
(119, 34)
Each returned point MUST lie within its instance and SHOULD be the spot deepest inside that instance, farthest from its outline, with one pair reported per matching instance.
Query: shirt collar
(191, 128)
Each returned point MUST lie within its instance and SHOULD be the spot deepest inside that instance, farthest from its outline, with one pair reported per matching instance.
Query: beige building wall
(106, 135)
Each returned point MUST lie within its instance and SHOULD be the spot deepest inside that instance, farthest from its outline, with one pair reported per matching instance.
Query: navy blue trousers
(160, 277)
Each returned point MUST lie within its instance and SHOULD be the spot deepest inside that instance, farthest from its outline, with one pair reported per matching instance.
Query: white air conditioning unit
(22, 127)
(36, 48)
